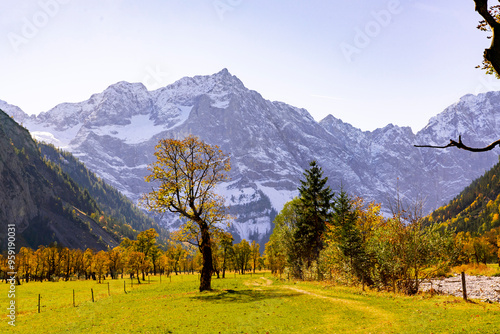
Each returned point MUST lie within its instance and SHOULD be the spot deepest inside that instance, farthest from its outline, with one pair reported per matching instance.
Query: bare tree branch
(462, 146)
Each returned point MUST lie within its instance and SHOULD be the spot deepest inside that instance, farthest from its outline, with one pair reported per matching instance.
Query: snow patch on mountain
(221, 104)
(46, 137)
(140, 129)
(254, 227)
(236, 195)
(278, 197)
(51, 135)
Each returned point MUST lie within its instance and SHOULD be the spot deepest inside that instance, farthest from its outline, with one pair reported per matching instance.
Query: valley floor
(257, 303)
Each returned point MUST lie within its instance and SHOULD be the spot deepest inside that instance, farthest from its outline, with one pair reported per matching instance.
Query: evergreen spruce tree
(349, 237)
(315, 203)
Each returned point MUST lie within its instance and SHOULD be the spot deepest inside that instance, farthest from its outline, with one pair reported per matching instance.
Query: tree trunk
(493, 53)
(206, 251)
(224, 264)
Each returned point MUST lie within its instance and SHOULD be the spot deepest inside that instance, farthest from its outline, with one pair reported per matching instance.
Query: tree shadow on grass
(245, 296)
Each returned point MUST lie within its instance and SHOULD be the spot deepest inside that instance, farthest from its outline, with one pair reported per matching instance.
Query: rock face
(271, 143)
(38, 200)
(20, 195)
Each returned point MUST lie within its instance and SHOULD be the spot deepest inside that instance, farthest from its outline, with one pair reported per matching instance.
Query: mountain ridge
(271, 143)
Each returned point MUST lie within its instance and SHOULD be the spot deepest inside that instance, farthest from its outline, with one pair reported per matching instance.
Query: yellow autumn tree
(498, 244)
(101, 264)
(184, 178)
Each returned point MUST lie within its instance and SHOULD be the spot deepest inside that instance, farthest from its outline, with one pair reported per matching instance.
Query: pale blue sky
(369, 62)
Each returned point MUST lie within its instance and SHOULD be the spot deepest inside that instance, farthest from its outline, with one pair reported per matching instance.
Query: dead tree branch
(462, 146)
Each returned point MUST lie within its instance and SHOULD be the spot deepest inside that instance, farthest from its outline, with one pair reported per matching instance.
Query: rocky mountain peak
(475, 117)
(125, 87)
(217, 86)
(14, 111)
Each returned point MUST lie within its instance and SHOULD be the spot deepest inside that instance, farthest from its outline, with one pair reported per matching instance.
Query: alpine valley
(271, 144)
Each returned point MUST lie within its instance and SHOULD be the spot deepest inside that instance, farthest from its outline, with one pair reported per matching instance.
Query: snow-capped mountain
(271, 143)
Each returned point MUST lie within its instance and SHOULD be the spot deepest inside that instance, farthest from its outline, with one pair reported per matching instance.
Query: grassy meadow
(256, 303)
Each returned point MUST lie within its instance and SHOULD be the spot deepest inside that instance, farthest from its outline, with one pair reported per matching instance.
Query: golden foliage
(184, 177)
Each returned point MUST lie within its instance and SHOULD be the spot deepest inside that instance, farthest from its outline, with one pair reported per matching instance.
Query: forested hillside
(121, 212)
(47, 205)
(476, 209)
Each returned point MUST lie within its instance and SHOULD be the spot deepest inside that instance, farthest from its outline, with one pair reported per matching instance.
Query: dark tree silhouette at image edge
(492, 54)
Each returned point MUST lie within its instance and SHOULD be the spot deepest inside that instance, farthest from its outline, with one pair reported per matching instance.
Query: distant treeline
(135, 258)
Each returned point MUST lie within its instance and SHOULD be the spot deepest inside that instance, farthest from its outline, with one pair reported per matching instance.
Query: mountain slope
(44, 203)
(476, 209)
(477, 120)
(271, 143)
(121, 213)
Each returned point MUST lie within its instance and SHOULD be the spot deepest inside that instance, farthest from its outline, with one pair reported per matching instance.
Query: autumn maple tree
(184, 178)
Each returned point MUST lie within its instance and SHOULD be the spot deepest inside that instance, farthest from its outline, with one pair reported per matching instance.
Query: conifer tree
(349, 236)
(315, 203)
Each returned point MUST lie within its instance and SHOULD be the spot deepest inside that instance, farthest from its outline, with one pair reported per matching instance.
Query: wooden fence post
(124, 286)
(73, 297)
(39, 303)
(92, 291)
(464, 288)
(109, 294)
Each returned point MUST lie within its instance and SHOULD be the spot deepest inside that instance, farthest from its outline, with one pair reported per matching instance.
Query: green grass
(238, 304)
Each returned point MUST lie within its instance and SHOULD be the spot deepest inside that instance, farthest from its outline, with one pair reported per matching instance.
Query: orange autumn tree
(184, 178)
